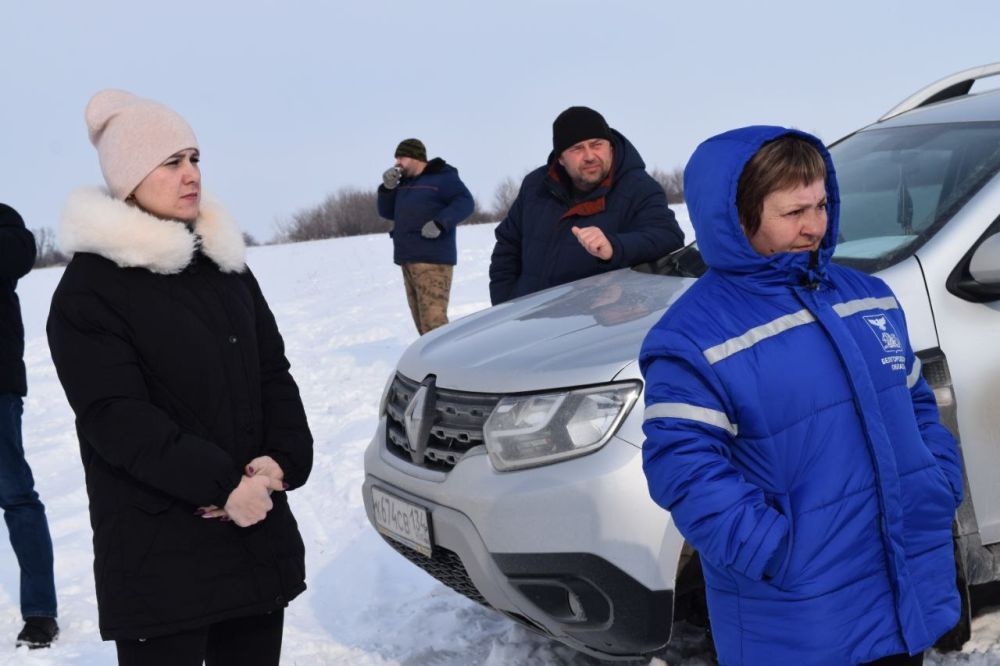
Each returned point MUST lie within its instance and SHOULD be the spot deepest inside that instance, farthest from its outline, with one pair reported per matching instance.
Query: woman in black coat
(191, 428)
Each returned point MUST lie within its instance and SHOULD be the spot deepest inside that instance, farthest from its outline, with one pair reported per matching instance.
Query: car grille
(457, 425)
(445, 566)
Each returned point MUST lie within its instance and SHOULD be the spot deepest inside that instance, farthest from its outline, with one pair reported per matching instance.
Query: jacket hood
(710, 181)
(94, 221)
(437, 165)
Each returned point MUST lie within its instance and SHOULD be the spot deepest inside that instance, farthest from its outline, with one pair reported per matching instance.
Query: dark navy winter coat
(17, 254)
(536, 248)
(796, 445)
(436, 195)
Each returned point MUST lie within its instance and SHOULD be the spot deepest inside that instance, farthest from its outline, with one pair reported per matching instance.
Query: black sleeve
(650, 231)
(386, 203)
(505, 263)
(287, 438)
(17, 245)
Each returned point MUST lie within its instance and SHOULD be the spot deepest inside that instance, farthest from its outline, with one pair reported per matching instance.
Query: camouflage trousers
(428, 287)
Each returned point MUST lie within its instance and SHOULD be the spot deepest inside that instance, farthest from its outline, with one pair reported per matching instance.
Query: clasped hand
(250, 501)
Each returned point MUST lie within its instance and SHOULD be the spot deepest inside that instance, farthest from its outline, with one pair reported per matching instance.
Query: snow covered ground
(341, 307)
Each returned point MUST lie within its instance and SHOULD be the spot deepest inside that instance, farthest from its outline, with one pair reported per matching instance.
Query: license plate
(403, 521)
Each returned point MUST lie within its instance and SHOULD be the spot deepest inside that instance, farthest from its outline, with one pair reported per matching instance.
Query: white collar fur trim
(94, 221)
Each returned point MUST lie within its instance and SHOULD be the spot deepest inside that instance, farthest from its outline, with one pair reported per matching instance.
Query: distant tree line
(352, 211)
(672, 183)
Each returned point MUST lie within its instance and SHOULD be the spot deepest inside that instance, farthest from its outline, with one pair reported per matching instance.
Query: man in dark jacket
(591, 208)
(23, 511)
(426, 201)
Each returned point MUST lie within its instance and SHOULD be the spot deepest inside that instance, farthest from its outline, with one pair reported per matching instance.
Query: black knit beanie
(411, 148)
(576, 124)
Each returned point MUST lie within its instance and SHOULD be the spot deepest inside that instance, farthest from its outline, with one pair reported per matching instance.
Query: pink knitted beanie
(133, 136)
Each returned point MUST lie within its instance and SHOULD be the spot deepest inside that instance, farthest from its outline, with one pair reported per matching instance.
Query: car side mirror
(985, 263)
(977, 276)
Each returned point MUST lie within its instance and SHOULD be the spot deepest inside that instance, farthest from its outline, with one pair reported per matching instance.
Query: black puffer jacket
(174, 366)
(17, 254)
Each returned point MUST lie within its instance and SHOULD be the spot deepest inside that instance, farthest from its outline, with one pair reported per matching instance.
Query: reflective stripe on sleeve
(914, 376)
(680, 410)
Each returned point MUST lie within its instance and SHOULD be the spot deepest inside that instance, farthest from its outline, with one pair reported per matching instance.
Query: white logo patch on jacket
(884, 332)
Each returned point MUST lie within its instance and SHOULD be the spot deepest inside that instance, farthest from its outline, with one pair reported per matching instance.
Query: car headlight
(542, 428)
(384, 400)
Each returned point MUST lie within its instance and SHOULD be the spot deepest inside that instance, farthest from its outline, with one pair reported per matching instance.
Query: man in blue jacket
(591, 208)
(789, 430)
(22, 510)
(426, 201)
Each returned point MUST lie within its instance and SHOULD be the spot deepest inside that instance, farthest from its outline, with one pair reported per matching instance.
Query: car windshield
(899, 185)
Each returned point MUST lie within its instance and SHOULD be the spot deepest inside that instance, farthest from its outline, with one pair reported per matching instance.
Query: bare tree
(355, 214)
(348, 212)
(503, 197)
(672, 183)
(479, 215)
(48, 253)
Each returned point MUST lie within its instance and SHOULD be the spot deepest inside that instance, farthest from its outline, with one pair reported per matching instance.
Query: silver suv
(507, 460)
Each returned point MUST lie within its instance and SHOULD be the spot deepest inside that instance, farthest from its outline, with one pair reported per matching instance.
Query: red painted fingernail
(249, 469)
(284, 486)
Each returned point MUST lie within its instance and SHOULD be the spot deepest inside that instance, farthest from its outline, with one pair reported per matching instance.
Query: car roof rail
(955, 85)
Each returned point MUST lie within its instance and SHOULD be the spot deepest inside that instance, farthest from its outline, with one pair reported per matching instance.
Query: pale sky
(293, 100)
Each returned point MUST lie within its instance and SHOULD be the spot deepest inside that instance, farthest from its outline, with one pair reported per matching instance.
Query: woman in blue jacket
(789, 431)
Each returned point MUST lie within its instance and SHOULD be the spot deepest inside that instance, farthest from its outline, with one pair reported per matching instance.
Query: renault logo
(419, 418)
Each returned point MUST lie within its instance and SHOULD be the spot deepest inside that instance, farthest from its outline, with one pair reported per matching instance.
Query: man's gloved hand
(392, 176)
(431, 230)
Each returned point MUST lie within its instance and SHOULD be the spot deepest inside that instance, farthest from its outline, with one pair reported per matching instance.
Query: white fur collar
(94, 221)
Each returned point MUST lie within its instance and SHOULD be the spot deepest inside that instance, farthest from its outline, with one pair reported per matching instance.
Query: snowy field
(341, 307)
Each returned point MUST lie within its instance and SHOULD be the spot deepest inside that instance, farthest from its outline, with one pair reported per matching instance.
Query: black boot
(38, 632)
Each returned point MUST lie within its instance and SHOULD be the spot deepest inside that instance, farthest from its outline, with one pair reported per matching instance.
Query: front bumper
(575, 550)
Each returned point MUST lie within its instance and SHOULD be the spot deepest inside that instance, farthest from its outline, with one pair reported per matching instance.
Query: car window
(899, 185)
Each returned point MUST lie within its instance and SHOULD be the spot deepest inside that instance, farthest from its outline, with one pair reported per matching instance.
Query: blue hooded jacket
(536, 248)
(791, 436)
(437, 195)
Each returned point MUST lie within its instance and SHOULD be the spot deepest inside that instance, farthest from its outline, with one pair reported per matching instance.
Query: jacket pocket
(781, 503)
(144, 520)
(947, 484)
(949, 500)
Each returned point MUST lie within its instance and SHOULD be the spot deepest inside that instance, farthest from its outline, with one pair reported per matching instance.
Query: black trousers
(897, 660)
(244, 641)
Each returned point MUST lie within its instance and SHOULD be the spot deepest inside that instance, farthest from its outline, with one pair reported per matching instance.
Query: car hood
(575, 334)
